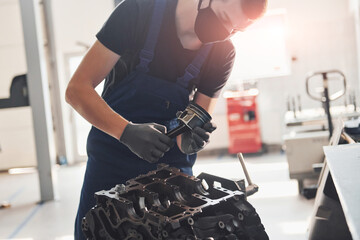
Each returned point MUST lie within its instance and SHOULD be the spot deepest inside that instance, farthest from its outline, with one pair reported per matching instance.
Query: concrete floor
(284, 213)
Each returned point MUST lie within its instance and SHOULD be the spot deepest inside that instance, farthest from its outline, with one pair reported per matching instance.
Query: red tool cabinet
(243, 122)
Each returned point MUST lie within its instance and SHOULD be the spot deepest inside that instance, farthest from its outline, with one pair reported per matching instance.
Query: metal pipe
(327, 103)
(242, 162)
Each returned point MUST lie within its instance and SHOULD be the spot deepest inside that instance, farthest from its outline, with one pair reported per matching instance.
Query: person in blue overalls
(155, 56)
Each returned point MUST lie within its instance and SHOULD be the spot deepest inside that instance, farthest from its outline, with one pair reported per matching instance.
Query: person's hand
(195, 140)
(148, 141)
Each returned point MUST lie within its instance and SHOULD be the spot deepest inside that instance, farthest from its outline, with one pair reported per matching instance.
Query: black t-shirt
(125, 33)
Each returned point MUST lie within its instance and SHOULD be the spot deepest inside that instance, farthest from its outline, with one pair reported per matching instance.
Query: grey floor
(284, 213)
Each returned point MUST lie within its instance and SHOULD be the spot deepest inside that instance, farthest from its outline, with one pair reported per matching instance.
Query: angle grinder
(193, 116)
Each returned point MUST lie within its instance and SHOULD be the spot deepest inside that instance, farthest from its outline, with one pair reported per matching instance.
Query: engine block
(168, 204)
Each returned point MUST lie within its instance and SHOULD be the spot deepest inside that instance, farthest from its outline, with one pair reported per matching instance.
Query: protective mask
(208, 26)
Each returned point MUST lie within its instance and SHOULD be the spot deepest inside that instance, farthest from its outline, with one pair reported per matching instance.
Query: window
(261, 50)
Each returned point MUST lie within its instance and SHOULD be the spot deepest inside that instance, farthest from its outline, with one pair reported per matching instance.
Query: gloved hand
(148, 141)
(195, 140)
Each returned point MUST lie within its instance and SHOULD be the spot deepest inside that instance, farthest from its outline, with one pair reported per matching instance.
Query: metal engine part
(194, 115)
(168, 204)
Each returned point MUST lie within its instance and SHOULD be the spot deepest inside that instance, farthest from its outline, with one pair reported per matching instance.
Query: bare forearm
(85, 100)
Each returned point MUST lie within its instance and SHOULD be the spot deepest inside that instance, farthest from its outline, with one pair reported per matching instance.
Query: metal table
(344, 165)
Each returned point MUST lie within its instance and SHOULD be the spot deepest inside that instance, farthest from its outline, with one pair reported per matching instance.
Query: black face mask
(208, 26)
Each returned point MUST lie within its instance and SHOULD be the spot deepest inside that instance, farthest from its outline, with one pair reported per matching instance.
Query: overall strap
(147, 53)
(192, 71)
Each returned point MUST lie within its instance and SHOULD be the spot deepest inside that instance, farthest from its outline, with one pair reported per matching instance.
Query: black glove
(148, 141)
(195, 140)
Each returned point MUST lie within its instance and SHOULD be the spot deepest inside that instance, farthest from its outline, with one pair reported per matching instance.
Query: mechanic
(155, 56)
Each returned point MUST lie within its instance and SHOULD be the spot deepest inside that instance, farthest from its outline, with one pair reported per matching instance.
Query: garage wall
(12, 52)
(75, 22)
(355, 10)
(321, 36)
(15, 131)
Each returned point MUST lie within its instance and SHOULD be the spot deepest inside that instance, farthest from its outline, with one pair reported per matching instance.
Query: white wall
(16, 125)
(322, 38)
(355, 9)
(12, 52)
(74, 21)
(321, 35)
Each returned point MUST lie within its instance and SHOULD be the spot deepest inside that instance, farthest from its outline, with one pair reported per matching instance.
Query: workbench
(343, 162)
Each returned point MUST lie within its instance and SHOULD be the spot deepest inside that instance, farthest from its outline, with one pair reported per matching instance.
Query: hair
(254, 9)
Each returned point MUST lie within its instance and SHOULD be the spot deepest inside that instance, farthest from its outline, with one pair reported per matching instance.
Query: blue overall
(139, 98)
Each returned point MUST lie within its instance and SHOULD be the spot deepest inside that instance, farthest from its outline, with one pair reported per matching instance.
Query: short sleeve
(117, 33)
(217, 69)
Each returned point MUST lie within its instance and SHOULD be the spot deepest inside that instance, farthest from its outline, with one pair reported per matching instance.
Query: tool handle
(177, 131)
(325, 78)
(251, 188)
(241, 158)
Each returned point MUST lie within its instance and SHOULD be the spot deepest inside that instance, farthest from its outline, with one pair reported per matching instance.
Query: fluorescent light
(22, 170)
